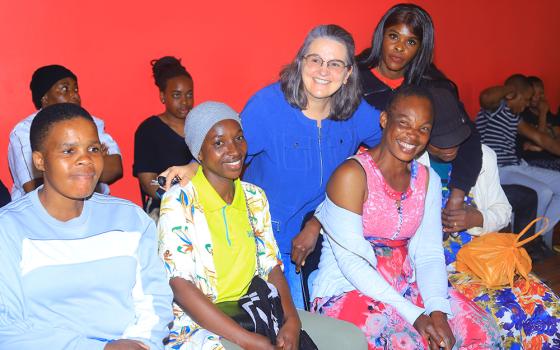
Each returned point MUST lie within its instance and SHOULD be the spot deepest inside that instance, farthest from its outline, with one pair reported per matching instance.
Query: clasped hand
(435, 329)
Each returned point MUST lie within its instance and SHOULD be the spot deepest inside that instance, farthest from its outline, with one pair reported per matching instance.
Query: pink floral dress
(390, 219)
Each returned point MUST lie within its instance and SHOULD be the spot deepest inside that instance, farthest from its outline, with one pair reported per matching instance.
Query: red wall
(232, 48)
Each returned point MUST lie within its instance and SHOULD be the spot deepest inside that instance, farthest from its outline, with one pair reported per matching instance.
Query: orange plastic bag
(495, 258)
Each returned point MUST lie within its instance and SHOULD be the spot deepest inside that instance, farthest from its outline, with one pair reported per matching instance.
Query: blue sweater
(292, 159)
(80, 283)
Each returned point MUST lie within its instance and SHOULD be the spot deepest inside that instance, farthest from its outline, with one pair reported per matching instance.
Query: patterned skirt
(528, 315)
(385, 328)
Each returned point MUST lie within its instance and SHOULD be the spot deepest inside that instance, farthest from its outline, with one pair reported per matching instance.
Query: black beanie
(44, 78)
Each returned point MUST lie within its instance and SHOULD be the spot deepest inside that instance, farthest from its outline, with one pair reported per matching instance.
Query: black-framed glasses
(316, 61)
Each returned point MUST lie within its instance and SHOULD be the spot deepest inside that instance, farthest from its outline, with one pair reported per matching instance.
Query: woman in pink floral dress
(382, 264)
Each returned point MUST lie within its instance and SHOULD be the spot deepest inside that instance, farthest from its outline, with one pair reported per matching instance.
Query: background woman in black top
(401, 54)
(159, 141)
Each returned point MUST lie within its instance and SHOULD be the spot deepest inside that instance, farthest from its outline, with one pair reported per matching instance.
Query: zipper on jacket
(320, 159)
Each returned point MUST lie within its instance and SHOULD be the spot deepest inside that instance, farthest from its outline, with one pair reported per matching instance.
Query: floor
(549, 269)
(549, 272)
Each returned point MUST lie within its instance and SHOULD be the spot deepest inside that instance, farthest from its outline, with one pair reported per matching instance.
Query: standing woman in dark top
(401, 54)
(159, 142)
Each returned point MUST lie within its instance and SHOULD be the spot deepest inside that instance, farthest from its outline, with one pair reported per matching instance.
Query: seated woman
(159, 140)
(79, 269)
(528, 315)
(216, 235)
(382, 264)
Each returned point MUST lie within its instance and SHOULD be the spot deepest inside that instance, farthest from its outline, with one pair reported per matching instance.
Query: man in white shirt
(50, 85)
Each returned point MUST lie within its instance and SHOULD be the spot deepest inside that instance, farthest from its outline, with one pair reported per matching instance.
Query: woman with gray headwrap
(215, 235)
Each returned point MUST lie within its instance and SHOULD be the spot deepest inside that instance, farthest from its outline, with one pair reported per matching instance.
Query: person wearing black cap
(486, 209)
(444, 142)
(50, 85)
(492, 211)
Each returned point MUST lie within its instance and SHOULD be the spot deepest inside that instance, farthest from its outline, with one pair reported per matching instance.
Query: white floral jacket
(185, 246)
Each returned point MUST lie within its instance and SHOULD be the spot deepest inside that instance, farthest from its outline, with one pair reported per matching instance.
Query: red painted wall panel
(232, 48)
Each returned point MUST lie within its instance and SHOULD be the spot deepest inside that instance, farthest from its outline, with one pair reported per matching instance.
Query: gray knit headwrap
(201, 119)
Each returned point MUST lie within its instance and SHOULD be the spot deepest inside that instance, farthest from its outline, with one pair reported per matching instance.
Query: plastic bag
(495, 258)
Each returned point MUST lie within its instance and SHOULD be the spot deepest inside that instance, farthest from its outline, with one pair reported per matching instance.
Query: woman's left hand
(288, 336)
(441, 326)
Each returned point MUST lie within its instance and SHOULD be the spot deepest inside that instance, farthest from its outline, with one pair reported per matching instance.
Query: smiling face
(320, 82)
(63, 91)
(223, 151)
(178, 96)
(400, 46)
(407, 127)
(70, 158)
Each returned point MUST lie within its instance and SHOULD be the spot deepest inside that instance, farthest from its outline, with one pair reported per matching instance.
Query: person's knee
(545, 196)
(329, 333)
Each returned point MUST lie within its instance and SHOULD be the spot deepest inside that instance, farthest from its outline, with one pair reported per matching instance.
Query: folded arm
(541, 139)
(491, 97)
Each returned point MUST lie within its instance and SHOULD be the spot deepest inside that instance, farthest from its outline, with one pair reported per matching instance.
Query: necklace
(398, 196)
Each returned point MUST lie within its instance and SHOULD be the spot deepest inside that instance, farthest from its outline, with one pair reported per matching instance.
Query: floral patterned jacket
(185, 245)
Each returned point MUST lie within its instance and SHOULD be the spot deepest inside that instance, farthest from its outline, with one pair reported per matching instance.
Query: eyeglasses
(315, 61)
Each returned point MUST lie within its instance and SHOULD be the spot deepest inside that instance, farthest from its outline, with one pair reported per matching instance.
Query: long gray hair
(346, 99)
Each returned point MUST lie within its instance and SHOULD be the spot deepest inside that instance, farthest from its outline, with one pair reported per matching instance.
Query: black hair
(407, 91)
(166, 68)
(420, 23)
(534, 80)
(346, 99)
(519, 81)
(50, 115)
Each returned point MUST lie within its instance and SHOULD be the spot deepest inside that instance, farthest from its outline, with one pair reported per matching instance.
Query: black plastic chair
(311, 264)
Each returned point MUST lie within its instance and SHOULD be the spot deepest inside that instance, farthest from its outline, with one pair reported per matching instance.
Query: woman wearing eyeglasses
(299, 130)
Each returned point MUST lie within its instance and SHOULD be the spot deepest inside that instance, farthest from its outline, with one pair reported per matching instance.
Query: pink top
(382, 216)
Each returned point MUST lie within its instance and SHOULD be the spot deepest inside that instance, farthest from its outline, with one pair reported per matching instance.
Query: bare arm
(543, 114)
(184, 172)
(490, 98)
(288, 336)
(541, 139)
(347, 187)
(456, 198)
(145, 180)
(112, 168)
